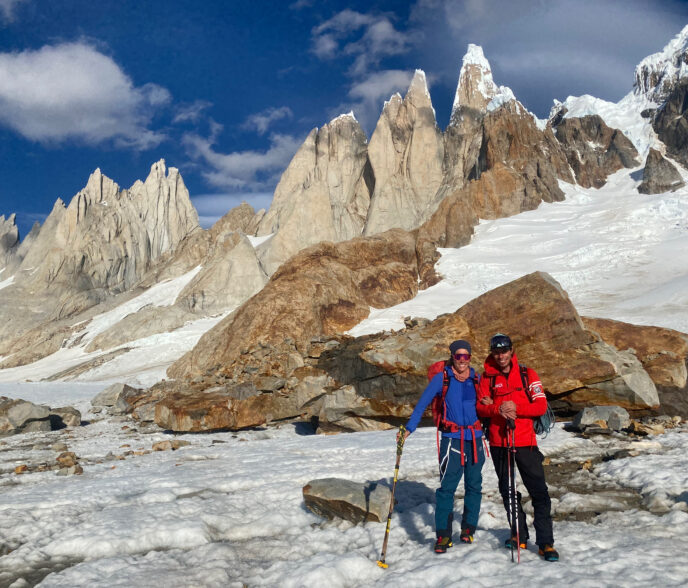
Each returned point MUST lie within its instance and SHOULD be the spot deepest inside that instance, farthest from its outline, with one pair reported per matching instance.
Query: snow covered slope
(618, 254)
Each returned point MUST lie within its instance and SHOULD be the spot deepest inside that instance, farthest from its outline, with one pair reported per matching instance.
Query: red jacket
(511, 388)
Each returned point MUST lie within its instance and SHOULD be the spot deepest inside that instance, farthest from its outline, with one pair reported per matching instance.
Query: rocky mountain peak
(658, 74)
(419, 85)
(476, 87)
(9, 235)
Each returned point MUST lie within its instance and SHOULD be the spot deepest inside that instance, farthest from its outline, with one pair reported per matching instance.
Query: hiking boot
(512, 543)
(442, 544)
(466, 536)
(548, 553)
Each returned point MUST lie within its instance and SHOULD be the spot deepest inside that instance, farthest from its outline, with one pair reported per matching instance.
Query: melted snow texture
(228, 511)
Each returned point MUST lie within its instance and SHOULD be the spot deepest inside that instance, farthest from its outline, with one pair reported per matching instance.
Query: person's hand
(406, 434)
(508, 409)
(486, 400)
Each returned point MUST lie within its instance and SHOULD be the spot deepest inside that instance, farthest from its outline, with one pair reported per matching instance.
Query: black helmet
(500, 341)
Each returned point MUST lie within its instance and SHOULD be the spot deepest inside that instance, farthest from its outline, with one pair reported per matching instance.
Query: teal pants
(451, 472)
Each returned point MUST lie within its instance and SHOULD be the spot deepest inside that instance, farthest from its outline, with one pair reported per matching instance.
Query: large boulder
(22, 416)
(373, 382)
(577, 368)
(659, 175)
(236, 406)
(662, 352)
(614, 418)
(344, 499)
(324, 289)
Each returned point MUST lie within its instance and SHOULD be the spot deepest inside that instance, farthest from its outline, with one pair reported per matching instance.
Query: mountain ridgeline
(354, 223)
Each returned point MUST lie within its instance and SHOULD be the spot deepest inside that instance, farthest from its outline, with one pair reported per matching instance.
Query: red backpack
(439, 403)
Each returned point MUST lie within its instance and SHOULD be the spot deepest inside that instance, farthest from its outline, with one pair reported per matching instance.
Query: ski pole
(513, 496)
(400, 447)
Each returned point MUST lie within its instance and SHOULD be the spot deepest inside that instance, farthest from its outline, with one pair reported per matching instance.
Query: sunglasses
(501, 350)
(460, 356)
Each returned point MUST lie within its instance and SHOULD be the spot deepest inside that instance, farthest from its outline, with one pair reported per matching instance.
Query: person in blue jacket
(461, 452)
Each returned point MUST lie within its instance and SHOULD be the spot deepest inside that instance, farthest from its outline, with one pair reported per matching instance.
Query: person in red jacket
(511, 408)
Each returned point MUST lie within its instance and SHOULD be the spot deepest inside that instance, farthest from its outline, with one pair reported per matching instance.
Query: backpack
(439, 404)
(439, 401)
(543, 424)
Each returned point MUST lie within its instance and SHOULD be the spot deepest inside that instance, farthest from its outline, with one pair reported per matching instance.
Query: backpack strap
(525, 381)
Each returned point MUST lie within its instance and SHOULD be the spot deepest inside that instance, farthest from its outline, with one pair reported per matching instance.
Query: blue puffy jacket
(460, 402)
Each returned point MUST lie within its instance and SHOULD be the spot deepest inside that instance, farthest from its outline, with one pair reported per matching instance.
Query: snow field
(228, 511)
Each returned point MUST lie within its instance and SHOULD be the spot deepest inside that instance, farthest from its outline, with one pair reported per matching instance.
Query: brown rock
(322, 290)
(168, 445)
(21, 469)
(662, 352)
(67, 459)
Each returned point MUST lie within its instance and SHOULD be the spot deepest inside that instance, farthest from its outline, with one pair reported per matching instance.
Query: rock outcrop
(406, 152)
(324, 289)
(663, 353)
(594, 150)
(323, 195)
(659, 175)
(373, 382)
(671, 123)
(107, 238)
(9, 238)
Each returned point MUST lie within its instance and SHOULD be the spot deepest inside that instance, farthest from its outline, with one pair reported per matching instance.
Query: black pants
(529, 464)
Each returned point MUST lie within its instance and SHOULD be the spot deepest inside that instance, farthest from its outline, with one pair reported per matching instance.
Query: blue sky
(227, 91)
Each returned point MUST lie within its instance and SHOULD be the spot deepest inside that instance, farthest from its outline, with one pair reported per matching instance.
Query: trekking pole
(400, 447)
(513, 496)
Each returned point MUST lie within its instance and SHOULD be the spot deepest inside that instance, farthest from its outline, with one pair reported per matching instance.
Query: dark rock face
(594, 150)
(659, 175)
(671, 123)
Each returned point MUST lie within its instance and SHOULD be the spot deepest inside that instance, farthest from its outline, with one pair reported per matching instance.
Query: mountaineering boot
(548, 553)
(466, 536)
(442, 544)
(511, 543)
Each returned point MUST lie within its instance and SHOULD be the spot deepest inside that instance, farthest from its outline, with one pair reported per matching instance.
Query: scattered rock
(20, 469)
(168, 445)
(66, 416)
(614, 418)
(74, 470)
(59, 446)
(352, 501)
(67, 459)
(639, 428)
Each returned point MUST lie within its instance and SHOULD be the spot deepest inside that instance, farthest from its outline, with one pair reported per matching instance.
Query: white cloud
(246, 170)
(369, 93)
(72, 91)
(261, 121)
(7, 8)
(366, 37)
(191, 112)
(547, 49)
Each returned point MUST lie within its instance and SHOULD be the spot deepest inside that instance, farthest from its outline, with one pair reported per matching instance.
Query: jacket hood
(491, 367)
